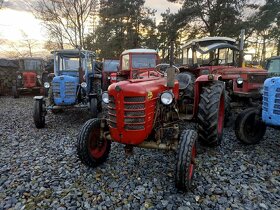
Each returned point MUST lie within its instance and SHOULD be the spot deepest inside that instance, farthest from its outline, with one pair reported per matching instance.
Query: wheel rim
(221, 116)
(97, 147)
(192, 163)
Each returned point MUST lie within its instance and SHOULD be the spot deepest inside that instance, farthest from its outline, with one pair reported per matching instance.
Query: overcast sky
(16, 18)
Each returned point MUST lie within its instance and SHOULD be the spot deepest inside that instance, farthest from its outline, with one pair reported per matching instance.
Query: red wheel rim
(97, 146)
(192, 163)
(221, 116)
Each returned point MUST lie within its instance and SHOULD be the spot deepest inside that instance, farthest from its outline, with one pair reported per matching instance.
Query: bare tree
(65, 20)
(28, 44)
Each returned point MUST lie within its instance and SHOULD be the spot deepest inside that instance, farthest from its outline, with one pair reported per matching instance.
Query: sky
(16, 19)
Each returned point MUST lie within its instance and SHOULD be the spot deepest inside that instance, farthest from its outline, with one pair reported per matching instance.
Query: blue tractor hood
(65, 89)
(271, 101)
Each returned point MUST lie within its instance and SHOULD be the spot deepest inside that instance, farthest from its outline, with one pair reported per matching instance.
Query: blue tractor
(250, 124)
(76, 83)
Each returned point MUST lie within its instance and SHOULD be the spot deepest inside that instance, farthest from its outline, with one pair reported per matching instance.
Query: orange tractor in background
(29, 76)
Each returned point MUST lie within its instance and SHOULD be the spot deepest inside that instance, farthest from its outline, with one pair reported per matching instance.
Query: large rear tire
(91, 149)
(38, 114)
(185, 160)
(249, 129)
(211, 113)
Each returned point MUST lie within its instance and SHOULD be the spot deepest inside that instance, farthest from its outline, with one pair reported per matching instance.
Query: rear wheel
(211, 113)
(38, 114)
(15, 92)
(93, 107)
(92, 149)
(185, 160)
(249, 129)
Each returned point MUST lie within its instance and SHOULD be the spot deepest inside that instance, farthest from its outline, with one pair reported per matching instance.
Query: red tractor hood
(132, 108)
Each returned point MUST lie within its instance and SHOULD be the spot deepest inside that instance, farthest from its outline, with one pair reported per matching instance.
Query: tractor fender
(199, 83)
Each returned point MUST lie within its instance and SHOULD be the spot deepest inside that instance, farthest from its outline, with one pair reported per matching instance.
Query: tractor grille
(276, 108)
(112, 112)
(70, 89)
(256, 78)
(56, 89)
(265, 99)
(134, 113)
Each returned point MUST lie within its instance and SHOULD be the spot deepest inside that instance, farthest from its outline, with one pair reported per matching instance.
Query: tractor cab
(28, 76)
(138, 63)
(273, 66)
(203, 56)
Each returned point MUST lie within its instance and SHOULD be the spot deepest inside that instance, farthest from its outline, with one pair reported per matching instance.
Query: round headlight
(46, 85)
(105, 97)
(239, 81)
(38, 76)
(166, 98)
(19, 76)
(84, 84)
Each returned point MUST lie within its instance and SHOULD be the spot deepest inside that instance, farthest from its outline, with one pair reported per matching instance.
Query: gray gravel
(40, 169)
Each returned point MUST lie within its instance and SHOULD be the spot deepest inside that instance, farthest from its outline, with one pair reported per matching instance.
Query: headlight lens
(19, 76)
(105, 97)
(239, 81)
(166, 98)
(46, 85)
(38, 76)
(84, 85)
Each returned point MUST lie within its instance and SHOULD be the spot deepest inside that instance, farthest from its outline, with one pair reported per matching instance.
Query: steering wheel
(166, 65)
(215, 59)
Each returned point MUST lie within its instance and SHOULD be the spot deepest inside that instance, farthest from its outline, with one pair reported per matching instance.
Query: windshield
(69, 64)
(111, 65)
(223, 56)
(140, 61)
(31, 65)
(273, 66)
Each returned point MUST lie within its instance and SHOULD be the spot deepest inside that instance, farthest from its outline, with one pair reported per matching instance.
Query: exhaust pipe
(171, 70)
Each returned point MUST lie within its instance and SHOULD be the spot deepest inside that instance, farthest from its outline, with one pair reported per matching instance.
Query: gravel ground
(40, 169)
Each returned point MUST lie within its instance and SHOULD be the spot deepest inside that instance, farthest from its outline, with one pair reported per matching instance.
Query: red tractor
(143, 112)
(29, 76)
(219, 55)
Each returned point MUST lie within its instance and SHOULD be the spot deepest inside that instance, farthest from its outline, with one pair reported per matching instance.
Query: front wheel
(92, 149)
(38, 114)
(249, 129)
(211, 114)
(185, 160)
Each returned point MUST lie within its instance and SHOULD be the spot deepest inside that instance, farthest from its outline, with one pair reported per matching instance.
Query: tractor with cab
(74, 84)
(143, 112)
(221, 56)
(251, 123)
(273, 66)
(29, 76)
